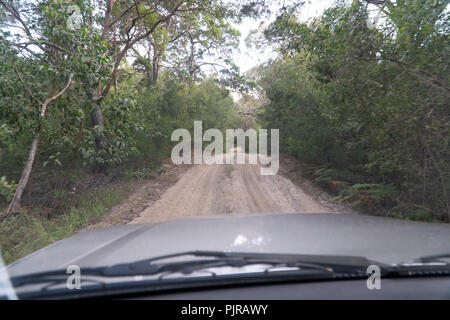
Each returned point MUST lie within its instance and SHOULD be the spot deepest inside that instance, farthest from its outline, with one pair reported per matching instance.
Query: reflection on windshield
(248, 242)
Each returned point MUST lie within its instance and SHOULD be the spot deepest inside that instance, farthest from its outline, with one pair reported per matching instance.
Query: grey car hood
(382, 239)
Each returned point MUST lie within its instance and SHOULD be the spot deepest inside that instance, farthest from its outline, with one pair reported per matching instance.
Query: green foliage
(123, 126)
(6, 190)
(145, 173)
(140, 103)
(172, 105)
(368, 195)
(326, 174)
(138, 119)
(24, 233)
(423, 215)
(373, 101)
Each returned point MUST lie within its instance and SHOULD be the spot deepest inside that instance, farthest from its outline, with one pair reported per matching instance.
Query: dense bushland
(367, 107)
(90, 92)
(104, 82)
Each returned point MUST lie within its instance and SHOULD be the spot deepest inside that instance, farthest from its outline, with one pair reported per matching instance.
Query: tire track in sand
(229, 189)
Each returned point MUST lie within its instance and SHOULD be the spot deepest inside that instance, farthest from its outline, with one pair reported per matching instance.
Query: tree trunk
(155, 67)
(95, 94)
(192, 59)
(149, 75)
(97, 120)
(15, 203)
(99, 123)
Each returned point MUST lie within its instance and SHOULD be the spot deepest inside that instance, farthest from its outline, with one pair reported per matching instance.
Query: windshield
(303, 130)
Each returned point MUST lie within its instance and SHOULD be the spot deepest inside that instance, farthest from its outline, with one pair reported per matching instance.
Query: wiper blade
(54, 277)
(213, 259)
(209, 259)
(438, 258)
(426, 265)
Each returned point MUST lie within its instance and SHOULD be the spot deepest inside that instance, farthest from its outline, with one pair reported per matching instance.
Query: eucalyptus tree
(60, 59)
(126, 25)
(206, 39)
(191, 43)
(41, 60)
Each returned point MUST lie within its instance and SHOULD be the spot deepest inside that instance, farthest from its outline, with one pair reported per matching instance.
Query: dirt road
(229, 189)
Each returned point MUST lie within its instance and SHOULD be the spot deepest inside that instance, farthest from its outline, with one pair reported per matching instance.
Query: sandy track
(229, 189)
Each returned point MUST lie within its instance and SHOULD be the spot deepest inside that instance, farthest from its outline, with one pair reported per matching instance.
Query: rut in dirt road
(229, 189)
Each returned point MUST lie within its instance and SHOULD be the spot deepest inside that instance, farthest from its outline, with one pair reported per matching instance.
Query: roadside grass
(60, 202)
(29, 231)
(369, 198)
(416, 215)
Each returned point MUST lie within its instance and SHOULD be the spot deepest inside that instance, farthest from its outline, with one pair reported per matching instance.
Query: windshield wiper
(433, 259)
(423, 266)
(213, 259)
(204, 260)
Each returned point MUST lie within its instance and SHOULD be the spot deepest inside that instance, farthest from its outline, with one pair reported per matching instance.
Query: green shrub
(6, 190)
